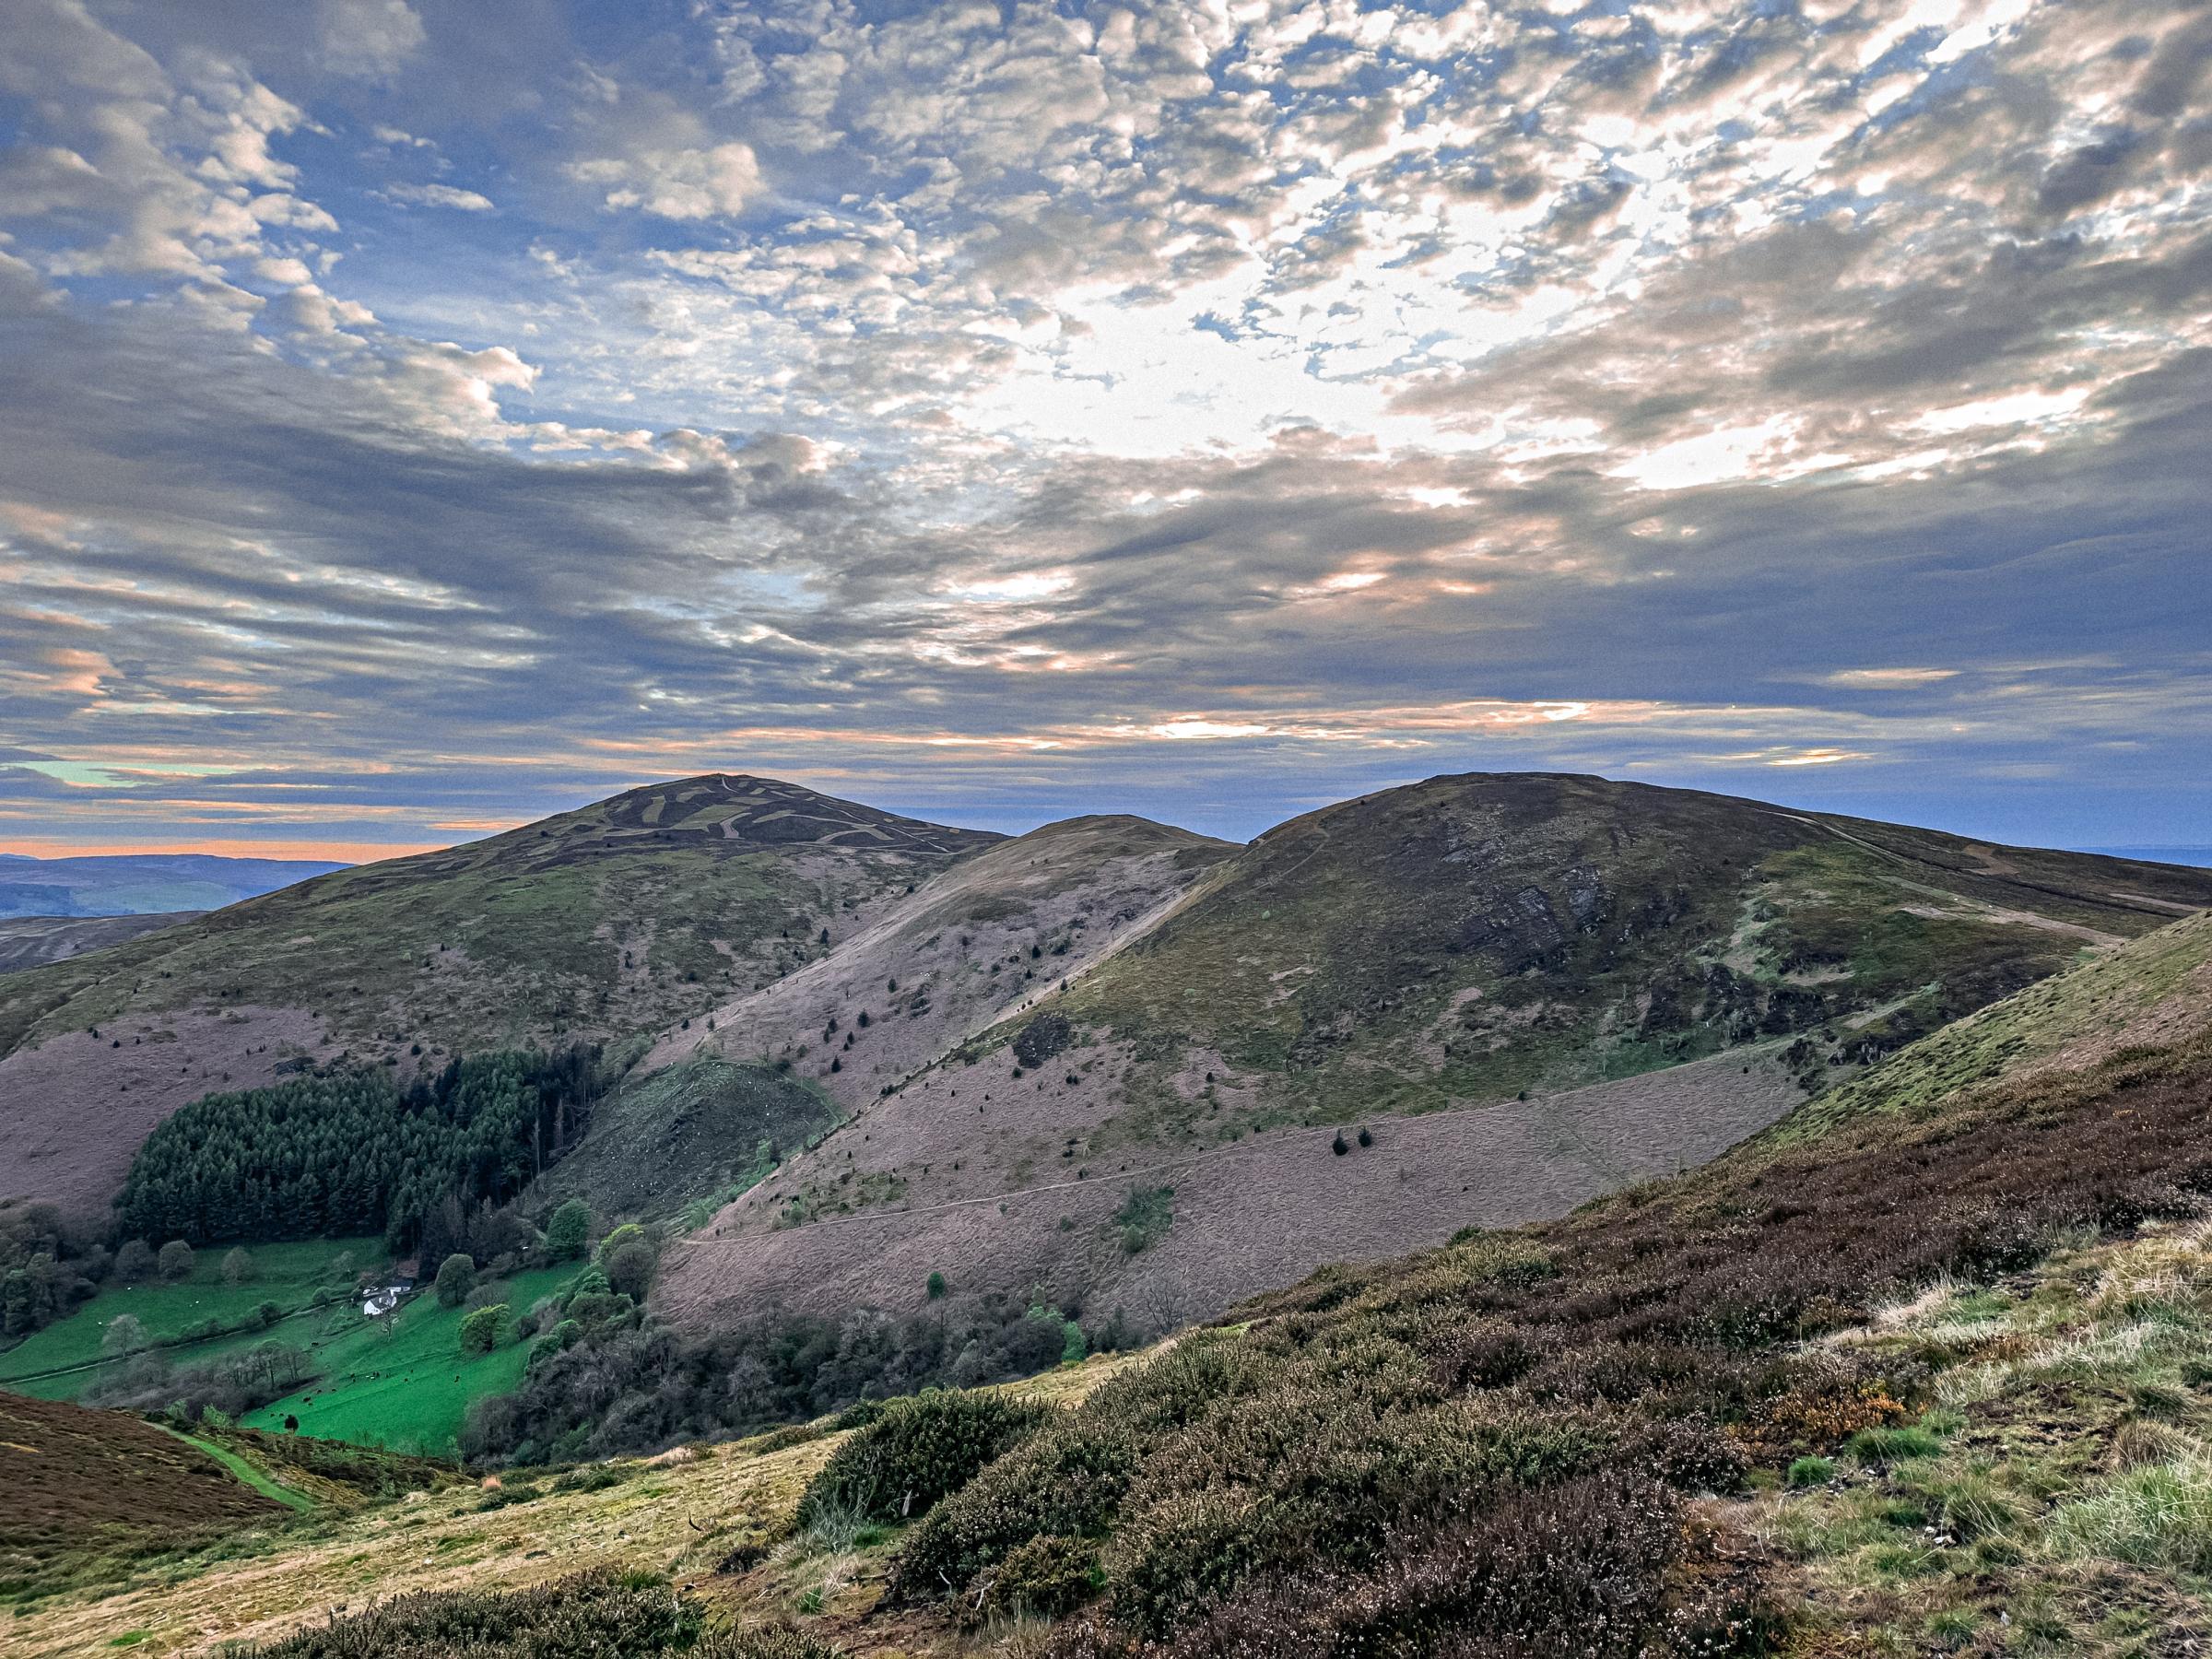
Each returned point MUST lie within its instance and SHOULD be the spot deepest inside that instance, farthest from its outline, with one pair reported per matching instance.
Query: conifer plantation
(353, 1153)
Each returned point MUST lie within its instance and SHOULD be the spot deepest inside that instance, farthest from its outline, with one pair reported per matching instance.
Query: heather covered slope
(1528, 989)
(1920, 1372)
(725, 1095)
(34, 941)
(619, 917)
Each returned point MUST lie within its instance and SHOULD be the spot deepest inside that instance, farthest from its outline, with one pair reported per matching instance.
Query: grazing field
(293, 1277)
(407, 1389)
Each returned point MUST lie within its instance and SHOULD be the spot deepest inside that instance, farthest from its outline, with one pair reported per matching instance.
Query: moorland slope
(1486, 997)
(624, 916)
(1921, 1369)
(34, 941)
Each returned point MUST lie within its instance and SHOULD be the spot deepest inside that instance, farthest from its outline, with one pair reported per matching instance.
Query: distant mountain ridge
(863, 1049)
(2200, 857)
(135, 884)
(1525, 988)
(34, 941)
(619, 918)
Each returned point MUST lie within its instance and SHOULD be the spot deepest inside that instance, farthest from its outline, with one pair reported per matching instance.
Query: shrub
(1048, 1577)
(569, 1233)
(630, 1267)
(1893, 1445)
(1067, 1481)
(595, 1615)
(918, 1451)
(238, 1266)
(175, 1261)
(486, 1328)
(769, 1642)
(134, 1261)
(936, 1285)
(1146, 1214)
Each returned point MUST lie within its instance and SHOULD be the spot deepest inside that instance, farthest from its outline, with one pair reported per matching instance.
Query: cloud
(679, 183)
(1806, 397)
(441, 195)
(368, 37)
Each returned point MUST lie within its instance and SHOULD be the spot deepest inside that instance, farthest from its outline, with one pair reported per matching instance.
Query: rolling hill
(1526, 989)
(34, 941)
(133, 884)
(1491, 995)
(623, 917)
(1921, 1369)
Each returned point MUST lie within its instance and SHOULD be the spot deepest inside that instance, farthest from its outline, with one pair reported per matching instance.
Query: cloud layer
(418, 415)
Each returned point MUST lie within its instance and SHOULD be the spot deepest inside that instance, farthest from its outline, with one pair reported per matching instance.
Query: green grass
(246, 1472)
(292, 1276)
(406, 1390)
(2096, 996)
(409, 1390)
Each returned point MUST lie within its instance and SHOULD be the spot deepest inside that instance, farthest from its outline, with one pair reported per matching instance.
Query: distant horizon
(356, 853)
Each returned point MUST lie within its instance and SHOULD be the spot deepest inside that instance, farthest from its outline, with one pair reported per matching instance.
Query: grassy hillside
(1923, 1371)
(293, 1277)
(697, 883)
(625, 915)
(1526, 964)
(1472, 937)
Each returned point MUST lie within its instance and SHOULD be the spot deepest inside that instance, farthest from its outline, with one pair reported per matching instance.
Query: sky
(418, 415)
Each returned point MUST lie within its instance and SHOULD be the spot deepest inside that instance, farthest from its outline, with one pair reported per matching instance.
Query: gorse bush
(595, 1615)
(1045, 1578)
(1485, 1451)
(917, 1451)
